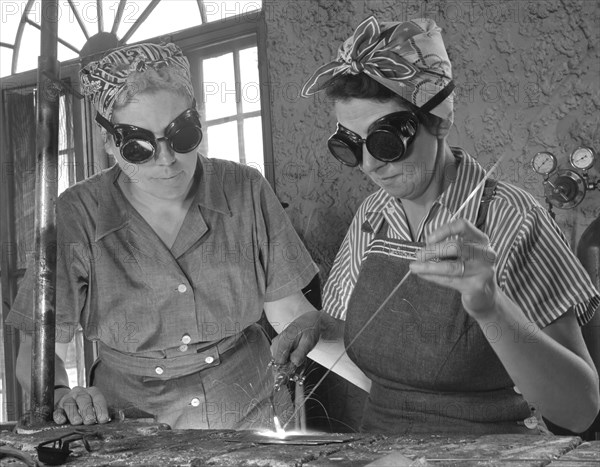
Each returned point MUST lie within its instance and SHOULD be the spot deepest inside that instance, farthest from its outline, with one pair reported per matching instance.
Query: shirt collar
(112, 210)
(211, 192)
(469, 173)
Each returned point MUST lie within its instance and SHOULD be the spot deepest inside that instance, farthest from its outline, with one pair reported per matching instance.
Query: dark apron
(224, 385)
(431, 366)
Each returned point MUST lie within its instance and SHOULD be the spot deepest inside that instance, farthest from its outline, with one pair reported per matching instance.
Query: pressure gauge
(543, 162)
(582, 158)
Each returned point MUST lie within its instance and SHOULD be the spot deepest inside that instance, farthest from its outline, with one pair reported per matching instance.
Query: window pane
(5, 61)
(71, 364)
(88, 12)
(64, 155)
(29, 50)
(64, 53)
(131, 13)
(250, 91)
(11, 16)
(223, 141)
(219, 86)
(253, 143)
(35, 12)
(168, 16)
(219, 9)
(109, 11)
(69, 30)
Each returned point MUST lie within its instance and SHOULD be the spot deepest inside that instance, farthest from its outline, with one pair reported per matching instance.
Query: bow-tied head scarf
(408, 58)
(104, 80)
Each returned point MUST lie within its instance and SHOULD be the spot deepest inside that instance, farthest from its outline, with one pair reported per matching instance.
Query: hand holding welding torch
(301, 335)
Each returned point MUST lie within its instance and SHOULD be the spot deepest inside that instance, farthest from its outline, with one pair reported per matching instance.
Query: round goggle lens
(342, 152)
(137, 150)
(186, 139)
(385, 145)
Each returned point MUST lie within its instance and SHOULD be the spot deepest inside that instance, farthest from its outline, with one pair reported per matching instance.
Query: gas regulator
(566, 188)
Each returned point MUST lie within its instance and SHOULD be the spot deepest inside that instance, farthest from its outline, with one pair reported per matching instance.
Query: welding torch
(284, 374)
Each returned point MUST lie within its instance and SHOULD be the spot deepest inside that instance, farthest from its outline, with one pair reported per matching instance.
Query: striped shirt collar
(382, 206)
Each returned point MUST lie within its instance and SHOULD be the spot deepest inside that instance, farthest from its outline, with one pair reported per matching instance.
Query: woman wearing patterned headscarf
(481, 335)
(167, 260)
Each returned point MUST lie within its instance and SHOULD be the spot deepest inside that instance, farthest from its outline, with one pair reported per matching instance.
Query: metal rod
(48, 98)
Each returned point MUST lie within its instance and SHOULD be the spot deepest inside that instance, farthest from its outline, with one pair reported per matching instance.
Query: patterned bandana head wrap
(408, 58)
(102, 81)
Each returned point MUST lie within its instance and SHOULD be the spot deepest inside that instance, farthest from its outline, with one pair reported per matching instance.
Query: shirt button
(209, 359)
(181, 288)
(159, 370)
(186, 339)
(195, 402)
(183, 348)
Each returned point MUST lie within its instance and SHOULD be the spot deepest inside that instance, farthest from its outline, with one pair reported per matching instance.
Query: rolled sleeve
(346, 266)
(287, 264)
(544, 277)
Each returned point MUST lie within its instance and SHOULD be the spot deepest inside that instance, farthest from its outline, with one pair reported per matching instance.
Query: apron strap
(489, 190)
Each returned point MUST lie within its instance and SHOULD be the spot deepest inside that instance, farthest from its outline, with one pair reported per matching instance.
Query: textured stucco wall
(527, 76)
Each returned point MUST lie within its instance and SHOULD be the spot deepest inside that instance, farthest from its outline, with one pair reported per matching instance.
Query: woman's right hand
(80, 406)
(297, 339)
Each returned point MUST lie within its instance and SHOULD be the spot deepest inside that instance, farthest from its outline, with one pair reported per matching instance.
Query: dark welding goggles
(138, 145)
(387, 140)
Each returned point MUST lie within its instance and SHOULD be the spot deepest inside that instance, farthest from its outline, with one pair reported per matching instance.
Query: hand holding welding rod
(472, 272)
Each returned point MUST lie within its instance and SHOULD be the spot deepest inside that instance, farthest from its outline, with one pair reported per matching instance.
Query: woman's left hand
(458, 255)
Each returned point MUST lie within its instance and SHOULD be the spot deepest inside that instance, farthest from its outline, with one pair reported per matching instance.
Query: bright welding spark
(278, 429)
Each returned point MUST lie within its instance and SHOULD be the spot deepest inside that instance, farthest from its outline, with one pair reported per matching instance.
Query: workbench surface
(133, 443)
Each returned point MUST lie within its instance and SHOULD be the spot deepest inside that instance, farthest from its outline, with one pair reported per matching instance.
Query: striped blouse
(535, 265)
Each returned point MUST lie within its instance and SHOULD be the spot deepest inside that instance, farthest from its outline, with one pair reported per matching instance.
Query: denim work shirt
(236, 250)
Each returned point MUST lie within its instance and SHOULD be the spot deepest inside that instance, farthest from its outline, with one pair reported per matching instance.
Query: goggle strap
(104, 123)
(438, 98)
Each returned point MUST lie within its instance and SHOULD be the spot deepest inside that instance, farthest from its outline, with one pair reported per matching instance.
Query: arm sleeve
(71, 278)
(286, 261)
(543, 276)
(346, 266)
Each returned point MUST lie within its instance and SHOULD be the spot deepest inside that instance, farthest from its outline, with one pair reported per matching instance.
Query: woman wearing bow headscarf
(457, 295)
(167, 260)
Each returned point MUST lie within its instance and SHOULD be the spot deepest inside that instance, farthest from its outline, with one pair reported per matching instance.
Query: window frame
(197, 56)
(208, 37)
